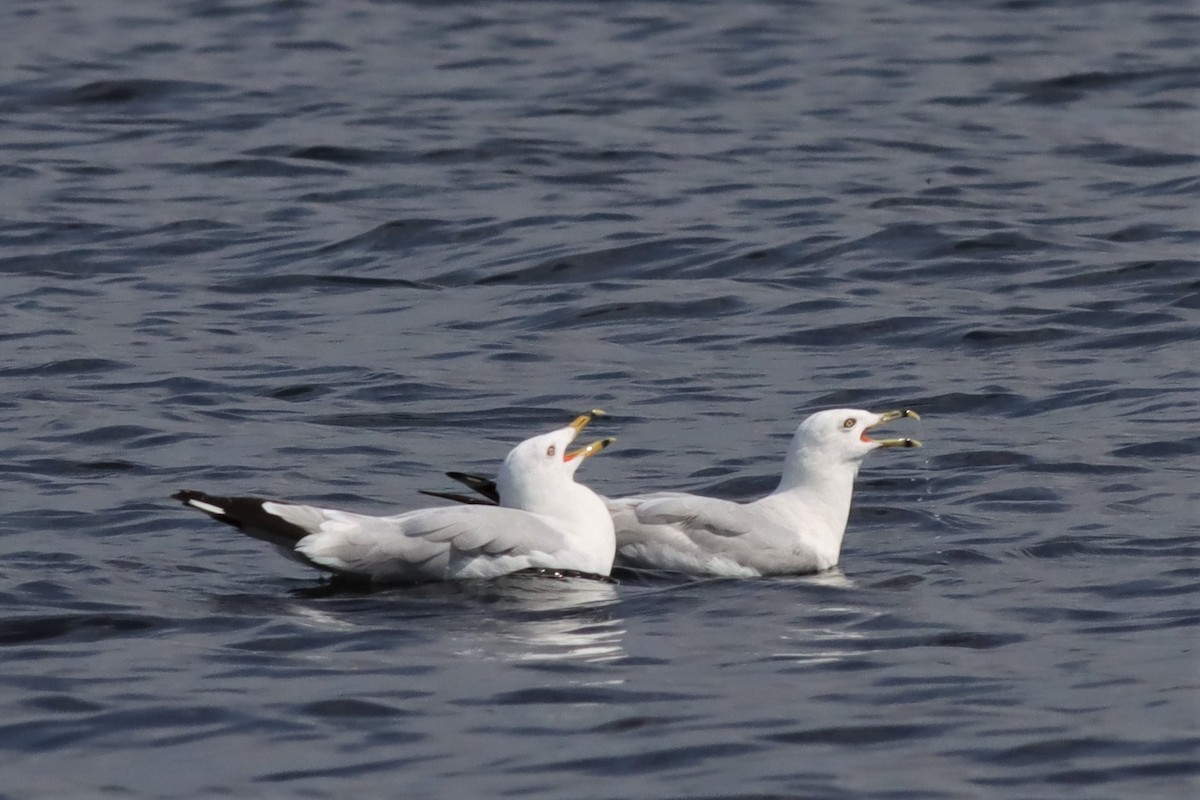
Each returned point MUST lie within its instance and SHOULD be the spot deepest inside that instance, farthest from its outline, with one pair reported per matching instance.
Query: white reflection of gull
(823, 644)
(830, 577)
(818, 646)
(566, 640)
(544, 619)
(313, 617)
(516, 618)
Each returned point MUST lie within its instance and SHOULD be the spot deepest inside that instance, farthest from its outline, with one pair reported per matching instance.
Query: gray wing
(430, 544)
(689, 512)
(701, 535)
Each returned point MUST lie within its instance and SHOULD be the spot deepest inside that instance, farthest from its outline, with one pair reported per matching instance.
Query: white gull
(796, 529)
(550, 523)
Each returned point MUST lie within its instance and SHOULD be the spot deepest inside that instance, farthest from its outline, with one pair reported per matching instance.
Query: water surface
(325, 251)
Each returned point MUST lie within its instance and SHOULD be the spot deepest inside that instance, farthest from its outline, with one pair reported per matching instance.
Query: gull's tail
(248, 515)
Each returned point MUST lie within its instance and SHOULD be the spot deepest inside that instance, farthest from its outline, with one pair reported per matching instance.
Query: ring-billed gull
(798, 528)
(549, 522)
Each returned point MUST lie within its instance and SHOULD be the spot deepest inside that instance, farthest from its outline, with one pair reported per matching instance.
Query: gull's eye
(550, 451)
(849, 423)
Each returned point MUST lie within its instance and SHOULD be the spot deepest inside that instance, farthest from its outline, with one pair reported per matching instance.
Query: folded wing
(703, 535)
(430, 544)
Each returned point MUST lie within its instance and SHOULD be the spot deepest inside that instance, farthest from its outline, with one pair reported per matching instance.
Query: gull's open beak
(589, 450)
(581, 422)
(890, 416)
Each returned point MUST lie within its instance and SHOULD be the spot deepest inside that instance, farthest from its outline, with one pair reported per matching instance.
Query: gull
(550, 523)
(796, 529)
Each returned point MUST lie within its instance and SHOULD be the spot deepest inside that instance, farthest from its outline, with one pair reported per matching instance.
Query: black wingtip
(477, 484)
(246, 514)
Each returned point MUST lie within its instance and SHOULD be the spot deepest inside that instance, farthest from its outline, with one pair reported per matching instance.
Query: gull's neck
(574, 507)
(813, 497)
(561, 498)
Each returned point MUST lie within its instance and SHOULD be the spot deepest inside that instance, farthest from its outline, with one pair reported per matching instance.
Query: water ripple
(328, 252)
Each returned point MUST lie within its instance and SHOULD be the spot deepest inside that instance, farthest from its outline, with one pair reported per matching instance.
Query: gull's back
(709, 536)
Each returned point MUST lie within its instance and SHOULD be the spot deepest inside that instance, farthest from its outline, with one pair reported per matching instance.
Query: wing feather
(435, 543)
(689, 512)
(704, 535)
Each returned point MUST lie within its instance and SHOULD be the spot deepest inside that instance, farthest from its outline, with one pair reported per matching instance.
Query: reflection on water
(539, 619)
(823, 645)
(835, 638)
(833, 578)
(518, 618)
(321, 619)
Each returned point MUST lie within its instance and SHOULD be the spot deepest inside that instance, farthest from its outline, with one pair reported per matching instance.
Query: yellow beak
(581, 422)
(889, 416)
(589, 450)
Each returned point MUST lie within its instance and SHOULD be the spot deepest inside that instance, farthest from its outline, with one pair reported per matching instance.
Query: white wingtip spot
(208, 507)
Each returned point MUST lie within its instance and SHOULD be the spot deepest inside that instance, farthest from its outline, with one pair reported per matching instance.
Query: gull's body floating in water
(798, 528)
(551, 523)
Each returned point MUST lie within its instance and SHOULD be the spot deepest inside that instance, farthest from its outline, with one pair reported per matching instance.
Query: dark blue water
(327, 250)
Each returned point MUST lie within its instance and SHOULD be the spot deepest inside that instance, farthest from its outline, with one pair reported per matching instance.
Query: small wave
(73, 628)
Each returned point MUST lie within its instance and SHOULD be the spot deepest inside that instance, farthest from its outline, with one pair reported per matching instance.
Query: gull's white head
(833, 442)
(537, 470)
(817, 485)
(843, 434)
